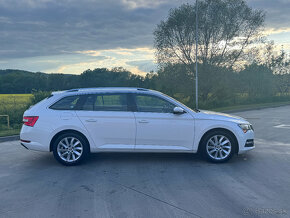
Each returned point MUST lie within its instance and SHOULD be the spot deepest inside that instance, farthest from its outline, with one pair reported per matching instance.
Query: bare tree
(226, 29)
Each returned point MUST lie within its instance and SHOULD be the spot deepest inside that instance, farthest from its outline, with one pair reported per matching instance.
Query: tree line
(218, 86)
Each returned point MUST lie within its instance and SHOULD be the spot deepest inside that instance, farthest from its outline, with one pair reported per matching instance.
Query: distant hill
(13, 81)
(8, 71)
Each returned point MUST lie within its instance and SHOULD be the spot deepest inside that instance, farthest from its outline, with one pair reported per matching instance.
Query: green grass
(250, 106)
(13, 105)
(7, 100)
(9, 132)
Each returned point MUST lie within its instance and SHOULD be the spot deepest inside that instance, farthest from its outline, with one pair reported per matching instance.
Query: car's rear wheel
(218, 146)
(70, 149)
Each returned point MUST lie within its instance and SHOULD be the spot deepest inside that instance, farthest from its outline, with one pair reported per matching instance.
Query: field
(12, 105)
(14, 99)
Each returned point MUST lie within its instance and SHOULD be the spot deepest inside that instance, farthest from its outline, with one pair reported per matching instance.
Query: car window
(106, 102)
(149, 103)
(89, 103)
(66, 103)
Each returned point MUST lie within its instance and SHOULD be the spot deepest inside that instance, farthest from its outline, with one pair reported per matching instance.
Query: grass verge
(9, 132)
(237, 108)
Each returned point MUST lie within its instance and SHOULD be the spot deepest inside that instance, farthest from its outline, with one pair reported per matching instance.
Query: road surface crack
(155, 198)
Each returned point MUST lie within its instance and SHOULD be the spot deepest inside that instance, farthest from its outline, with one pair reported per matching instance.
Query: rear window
(66, 103)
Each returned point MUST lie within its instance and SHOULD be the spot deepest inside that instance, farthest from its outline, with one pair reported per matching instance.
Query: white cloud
(137, 60)
(133, 4)
(120, 51)
(271, 31)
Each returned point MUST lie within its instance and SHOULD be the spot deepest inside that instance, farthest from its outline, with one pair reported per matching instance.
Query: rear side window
(106, 102)
(66, 103)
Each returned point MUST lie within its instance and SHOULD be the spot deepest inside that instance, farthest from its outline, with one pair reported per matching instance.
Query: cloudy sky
(70, 36)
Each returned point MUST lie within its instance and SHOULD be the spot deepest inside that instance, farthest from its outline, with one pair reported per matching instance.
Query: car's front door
(159, 128)
(108, 120)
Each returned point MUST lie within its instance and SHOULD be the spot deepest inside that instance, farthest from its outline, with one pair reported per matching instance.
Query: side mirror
(178, 110)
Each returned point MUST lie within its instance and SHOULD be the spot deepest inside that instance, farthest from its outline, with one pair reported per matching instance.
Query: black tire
(209, 150)
(69, 136)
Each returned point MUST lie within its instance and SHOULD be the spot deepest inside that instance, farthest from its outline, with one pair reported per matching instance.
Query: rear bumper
(34, 146)
(34, 138)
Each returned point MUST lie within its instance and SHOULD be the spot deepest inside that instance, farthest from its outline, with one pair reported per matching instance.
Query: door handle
(143, 121)
(91, 120)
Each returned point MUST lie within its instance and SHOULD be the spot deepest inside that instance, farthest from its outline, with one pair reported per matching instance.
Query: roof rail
(142, 89)
(73, 90)
(99, 88)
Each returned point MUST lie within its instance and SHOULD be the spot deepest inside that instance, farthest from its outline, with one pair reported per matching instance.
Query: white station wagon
(76, 122)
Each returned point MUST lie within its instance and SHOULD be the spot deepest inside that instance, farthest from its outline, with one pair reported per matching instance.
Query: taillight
(30, 121)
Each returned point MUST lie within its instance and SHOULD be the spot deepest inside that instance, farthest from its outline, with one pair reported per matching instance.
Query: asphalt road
(33, 184)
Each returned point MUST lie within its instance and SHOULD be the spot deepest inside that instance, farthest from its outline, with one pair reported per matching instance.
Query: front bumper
(249, 143)
(246, 142)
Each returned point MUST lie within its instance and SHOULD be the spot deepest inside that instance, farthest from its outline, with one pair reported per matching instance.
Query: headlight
(245, 127)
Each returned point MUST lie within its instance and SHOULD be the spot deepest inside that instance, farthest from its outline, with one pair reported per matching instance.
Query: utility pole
(196, 47)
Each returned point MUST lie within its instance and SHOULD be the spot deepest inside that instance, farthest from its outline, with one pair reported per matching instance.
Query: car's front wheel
(70, 149)
(218, 146)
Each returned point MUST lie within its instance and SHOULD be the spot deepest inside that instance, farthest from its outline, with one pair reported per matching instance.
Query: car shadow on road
(143, 157)
(123, 158)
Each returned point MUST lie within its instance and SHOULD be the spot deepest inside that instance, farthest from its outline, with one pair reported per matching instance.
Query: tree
(281, 68)
(276, 59)
(225, 27)
(257, 81)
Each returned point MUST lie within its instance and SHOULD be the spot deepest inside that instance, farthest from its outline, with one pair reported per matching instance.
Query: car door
(159, 128)
(108, 121)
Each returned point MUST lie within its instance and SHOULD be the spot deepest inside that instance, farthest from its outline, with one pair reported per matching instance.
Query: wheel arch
(219, 129)
(68, 131)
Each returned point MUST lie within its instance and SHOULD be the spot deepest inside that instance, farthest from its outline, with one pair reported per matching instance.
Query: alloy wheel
(69, 149)
(218, 147)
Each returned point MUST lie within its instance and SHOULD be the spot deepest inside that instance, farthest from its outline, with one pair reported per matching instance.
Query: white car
(76, 122)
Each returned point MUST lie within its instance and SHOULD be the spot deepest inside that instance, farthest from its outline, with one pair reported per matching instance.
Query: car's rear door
(108, 120)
